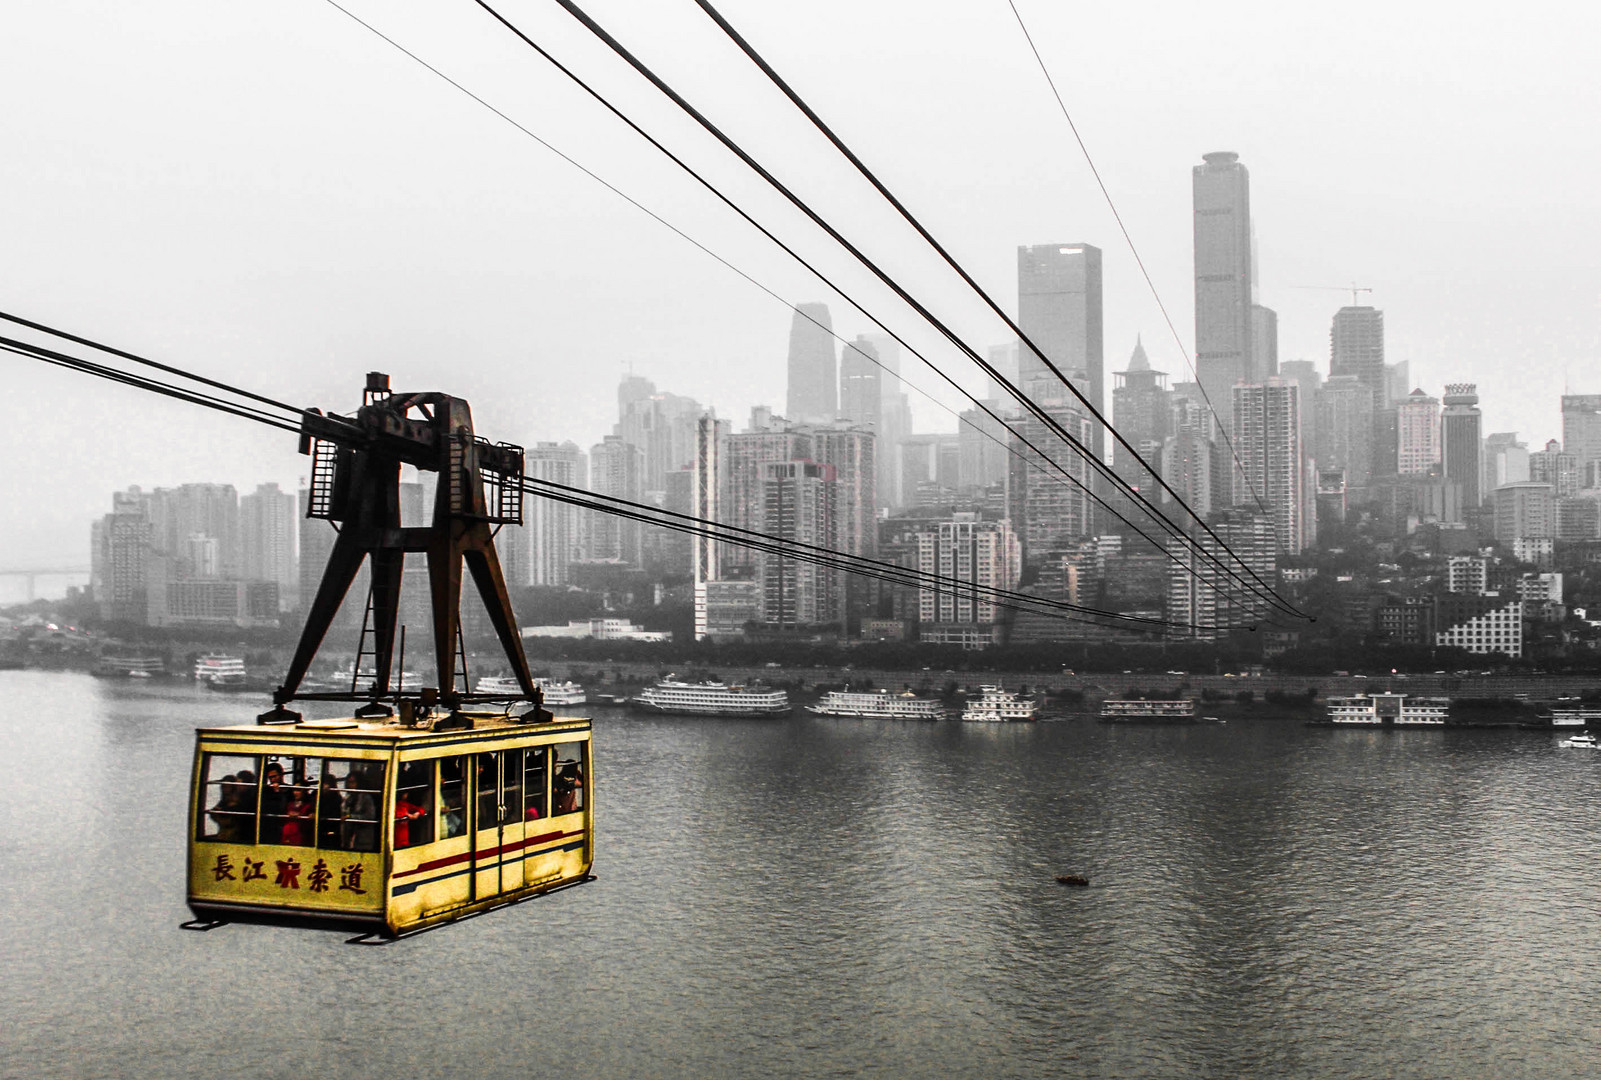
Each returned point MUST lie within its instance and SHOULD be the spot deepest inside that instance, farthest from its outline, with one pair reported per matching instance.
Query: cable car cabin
(387, 827)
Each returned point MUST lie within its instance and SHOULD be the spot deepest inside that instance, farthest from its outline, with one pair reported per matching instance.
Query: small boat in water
(877, 705)
(1585, 741)
(995, 704)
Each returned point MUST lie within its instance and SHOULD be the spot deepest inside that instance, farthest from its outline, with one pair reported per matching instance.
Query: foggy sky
(271, 195)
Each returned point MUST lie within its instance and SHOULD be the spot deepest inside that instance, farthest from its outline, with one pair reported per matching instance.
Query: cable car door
(498, 826)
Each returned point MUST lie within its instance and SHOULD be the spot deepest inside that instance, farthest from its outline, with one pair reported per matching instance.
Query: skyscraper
(1356, 347)
(1461, 428)
(813, 379)
(1417, 433)
(799, 500)
(711, 444)
(861, 396)
(267, 541)
(1267, 437)
(1059, 309)
(616, 468)
(983, 553)
(1223, 276)
(1141, 409)
(1049, 511)
(1264, 341)
(552, 531)
(1205, 599)
(1552, 466)
(1581, 430)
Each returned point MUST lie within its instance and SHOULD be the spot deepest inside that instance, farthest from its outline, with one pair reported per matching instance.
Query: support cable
(1172, 531)
(1260, 588)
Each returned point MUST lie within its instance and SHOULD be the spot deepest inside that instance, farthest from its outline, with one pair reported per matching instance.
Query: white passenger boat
(1388, 710)
(1580, 742)
(554, 693)
(220, 670)
(995, 704)
(711, 699)
(877, 705)
(1139, 711)
(1574, 715)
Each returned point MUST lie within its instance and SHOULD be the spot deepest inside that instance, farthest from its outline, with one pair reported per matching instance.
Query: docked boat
(220, 671)
(1567, 714)
(1581, 742)
(1139, 711)
(554, 693)
(1388, 710)
(129, 667)
(711, 699)
(994, 705)
(877, 705)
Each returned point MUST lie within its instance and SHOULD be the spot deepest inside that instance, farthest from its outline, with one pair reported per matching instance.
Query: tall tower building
(1224, 330)
(552, 534)
(1050, 512)
(711, 445)
(981, 553)
(1417, 434)
(267, 542)
(616, 468)
(1581, 431)
(1345, 430)
(1189, 455)
(1356, 347)
(746, 456)
(1267, 437)
(1264, 342)
(1059, 308)
(1141, 409)
(1461, 438)
(861, 392)
(1304, 374)
(799, 500)
(813, 379)
(1206, 598)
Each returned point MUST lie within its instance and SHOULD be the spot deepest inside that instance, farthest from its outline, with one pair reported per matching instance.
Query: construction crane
(1353, 289)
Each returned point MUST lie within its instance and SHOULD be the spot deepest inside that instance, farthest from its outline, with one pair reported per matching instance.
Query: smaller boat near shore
(877, 705)
(997, 705)
(553, 692)
(1585, 741)
(1143, 711)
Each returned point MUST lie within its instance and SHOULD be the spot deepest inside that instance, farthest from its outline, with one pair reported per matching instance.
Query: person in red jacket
(406, 812)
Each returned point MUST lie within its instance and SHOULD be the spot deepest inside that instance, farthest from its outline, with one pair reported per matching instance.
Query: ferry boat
(554, 693)
(877, 705)
(1135, 711)
(995, 704)
(711, 699)
(129, 667)
(1574, 715)
(1581, 742)
(219, 670)
(1389, 710)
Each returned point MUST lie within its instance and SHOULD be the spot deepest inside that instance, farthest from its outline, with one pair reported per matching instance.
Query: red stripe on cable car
(435, 864)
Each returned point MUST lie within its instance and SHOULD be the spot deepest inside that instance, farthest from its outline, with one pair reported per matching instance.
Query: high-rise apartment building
(616, 468)
(1190, 458)
(1506, 460)
(1524, 510)
(1305, 375)
(747, 455)
(189, 510)
(813, 379)
(1050, 511)
(1264, 340)
(1224, 277)
(1417, 434)
(1142, 410)
(981, 443)
(1356, 347)
(661, 425)
(552, 536)
(1461, 436)
(1267, 438)
(981, 554)
(1059, 310)
(800, 504)
(849, 452)
(267, 534)
(120, 556)
(1581, 429)
(1205, 599)
(1552, 466)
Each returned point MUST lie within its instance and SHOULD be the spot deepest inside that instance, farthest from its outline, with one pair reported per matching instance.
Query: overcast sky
(269, 194)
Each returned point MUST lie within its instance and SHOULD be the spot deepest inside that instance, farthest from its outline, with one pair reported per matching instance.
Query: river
(811, 897)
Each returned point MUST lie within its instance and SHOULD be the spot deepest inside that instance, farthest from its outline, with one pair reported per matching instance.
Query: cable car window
(289, 800)
(414, 804)
(228, 798)
(361, 792)
(487, 785)
(452, 797)
(534, 784)
(511, 786)
(567, 778)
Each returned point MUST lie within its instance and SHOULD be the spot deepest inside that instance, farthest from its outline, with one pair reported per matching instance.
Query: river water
(814, 897)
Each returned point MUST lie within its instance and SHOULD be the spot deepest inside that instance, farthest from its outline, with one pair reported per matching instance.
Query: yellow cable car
(390, 828)
(417, 810)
